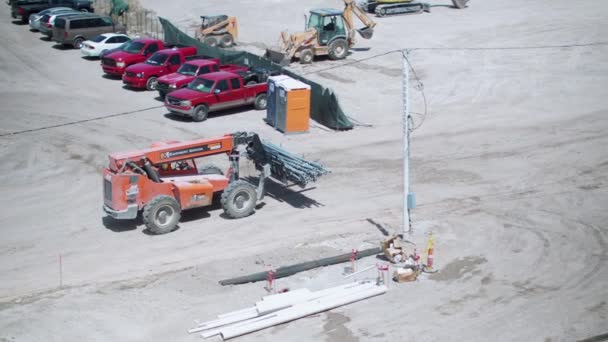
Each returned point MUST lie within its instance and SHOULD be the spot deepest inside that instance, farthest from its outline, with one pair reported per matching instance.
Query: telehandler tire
(162, 214)
(239, 199)
(338, 49)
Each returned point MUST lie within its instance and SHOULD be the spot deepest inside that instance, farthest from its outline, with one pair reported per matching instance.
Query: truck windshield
(187, 69)
(157, 59)
(201, 84)
(132, 47)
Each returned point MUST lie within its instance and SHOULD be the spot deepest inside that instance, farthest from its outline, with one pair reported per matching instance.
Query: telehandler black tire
(239, 199)
(338, 49)
(162, 214)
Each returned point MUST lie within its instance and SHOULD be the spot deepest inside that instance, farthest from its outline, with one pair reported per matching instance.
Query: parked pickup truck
(144, 75)
(133, 52)
(189, 71)
(215, 91)
(21, 9)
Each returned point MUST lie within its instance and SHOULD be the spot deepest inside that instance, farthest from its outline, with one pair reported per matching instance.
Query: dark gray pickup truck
(21, 9)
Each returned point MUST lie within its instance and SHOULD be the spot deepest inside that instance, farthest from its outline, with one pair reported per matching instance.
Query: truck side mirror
(216, 91)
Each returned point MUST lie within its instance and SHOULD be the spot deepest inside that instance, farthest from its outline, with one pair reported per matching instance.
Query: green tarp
(119, 7)
(324, 107)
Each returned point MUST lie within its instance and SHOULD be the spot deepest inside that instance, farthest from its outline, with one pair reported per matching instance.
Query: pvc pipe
(216, 331)
(226, 320)
(285, 295)
(268, 306)
(361, 271)
(301, 310)
(235, 312)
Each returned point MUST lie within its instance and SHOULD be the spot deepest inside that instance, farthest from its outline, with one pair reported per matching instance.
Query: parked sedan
(35, 18)
(102, 43)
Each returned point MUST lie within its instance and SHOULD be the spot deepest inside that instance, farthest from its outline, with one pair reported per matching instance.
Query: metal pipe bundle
(291, 168)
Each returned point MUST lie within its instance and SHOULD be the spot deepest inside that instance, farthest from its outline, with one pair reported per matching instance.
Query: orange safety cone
(430, 247)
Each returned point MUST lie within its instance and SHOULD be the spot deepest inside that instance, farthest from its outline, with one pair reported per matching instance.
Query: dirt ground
(509, 165)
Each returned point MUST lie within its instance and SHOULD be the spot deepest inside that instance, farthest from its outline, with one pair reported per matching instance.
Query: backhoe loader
(328, 32)
(219, 30)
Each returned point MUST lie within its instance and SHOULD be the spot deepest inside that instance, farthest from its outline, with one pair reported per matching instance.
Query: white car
(103, 42)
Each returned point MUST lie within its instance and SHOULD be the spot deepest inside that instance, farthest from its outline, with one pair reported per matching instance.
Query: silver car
(35, 18)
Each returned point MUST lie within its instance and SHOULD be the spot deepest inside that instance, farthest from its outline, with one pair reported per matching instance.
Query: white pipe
(281, 296)
(216, 331)
(252, 313)
(361, 271)
(234, 312)
(265, 307)
(301, 310)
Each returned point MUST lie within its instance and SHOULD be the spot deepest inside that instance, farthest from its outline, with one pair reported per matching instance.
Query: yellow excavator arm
(350, 9)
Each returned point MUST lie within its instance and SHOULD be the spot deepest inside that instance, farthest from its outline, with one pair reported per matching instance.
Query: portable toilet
(292, 107)
(273, 95)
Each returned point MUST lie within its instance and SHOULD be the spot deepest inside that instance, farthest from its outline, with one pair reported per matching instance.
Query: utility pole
(407, 201)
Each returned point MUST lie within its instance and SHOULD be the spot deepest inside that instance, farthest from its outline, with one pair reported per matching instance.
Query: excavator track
(402, 8)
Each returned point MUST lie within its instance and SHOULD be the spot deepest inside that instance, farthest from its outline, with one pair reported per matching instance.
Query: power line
(78, 122)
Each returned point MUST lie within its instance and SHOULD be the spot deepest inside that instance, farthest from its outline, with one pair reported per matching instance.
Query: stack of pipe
(291, 168)
(284, 307)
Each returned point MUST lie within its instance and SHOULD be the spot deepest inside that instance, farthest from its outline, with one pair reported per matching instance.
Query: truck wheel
(261, 101)
(200, 113)
(226, 40)
(152, 82)
(306, 56)
(84, 10)
(210, 169)
(78, 42)
(239, 199)
(211, 41)
(337, 49)
(162, 214)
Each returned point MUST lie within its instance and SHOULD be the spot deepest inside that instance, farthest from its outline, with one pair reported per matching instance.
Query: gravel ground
(509, 165)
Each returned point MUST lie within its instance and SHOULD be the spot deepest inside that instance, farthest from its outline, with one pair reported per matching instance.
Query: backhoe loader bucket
(278, 57)
(366, 32)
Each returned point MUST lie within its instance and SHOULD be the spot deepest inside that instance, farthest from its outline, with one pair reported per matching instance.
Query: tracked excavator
(329, 32)
(219, 30)
(394, 7)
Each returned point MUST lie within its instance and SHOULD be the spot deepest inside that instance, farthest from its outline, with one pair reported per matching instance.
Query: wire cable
(79, 121)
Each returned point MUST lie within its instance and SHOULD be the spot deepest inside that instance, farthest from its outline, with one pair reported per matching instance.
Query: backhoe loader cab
(328, 23)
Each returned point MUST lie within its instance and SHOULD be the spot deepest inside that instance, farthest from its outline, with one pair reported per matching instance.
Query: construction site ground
(510, 168)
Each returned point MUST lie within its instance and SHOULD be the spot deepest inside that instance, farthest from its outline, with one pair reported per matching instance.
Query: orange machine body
(126, 191)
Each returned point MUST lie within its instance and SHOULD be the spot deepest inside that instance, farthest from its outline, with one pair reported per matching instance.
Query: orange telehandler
(163, 180)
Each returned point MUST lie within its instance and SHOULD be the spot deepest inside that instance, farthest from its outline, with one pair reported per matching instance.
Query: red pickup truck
(188, 72)
(135, 51)
(163, 62)
(215, 91)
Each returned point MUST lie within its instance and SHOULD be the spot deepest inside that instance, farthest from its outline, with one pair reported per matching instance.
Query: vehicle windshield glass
(201, 84)
(157, 59)
(187, 69)
(314, 21)
(132, 47)
(99, 38)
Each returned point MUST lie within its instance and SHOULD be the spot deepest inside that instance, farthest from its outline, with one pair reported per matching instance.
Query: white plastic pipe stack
(234, 317)
(302, 310)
